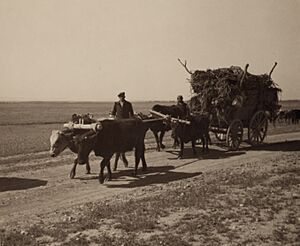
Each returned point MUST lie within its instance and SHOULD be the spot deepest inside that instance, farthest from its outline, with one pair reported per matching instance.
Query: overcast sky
(91, 50)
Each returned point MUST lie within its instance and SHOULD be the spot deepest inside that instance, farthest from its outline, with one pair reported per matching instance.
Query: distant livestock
(281, 116)
(292, 116)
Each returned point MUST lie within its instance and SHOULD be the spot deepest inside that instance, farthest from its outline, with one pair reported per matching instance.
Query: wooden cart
(233, 131)
(252, 115)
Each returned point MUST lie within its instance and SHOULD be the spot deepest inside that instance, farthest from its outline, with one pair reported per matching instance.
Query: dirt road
(38, 186)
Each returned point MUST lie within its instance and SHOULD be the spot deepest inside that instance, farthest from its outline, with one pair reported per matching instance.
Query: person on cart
(122, 110)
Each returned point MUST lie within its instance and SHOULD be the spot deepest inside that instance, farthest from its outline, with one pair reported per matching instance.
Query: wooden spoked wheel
(258, 128)
(234, 134)
(220, 136)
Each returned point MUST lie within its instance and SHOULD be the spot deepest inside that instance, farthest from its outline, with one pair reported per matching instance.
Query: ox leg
(176, 143)
(180, 155)
(143, 159)
(109, 176)
(194, 147)
(116, 161)
(139, 153)
(155, 133)
(101, 174)
(125, 162)
(88, 168)
(203, 139)
(73, 170)
(137, 161)
(207, 141)
(161, 137)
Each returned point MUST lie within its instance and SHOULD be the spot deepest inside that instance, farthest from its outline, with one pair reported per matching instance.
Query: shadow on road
(293, 145)
(164, 174)
(12, 183)
(154, 175)
(279, 146)
(211, 154)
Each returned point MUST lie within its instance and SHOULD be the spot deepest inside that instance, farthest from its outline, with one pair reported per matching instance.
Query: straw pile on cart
(223, 91)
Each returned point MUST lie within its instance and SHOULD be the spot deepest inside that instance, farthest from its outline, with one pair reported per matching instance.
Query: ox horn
(97, 126)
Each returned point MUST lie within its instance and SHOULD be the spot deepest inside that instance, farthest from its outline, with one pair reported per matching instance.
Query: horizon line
(86, 101)
(77, 101)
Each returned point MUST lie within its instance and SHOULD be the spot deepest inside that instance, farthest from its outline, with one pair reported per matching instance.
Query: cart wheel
(258, 127)
(220, 136)
(234, 134)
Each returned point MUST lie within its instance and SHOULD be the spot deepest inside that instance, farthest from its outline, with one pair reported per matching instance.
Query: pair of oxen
(116, 136)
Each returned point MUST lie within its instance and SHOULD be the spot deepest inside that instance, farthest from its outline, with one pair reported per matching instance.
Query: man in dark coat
(184, 108)
(122, 110)
(184, 114)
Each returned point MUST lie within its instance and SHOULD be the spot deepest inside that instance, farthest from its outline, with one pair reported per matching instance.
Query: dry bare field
(248, 197)
(26, 127)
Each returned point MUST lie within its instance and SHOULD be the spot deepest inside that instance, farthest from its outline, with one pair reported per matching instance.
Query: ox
(162, 127)
(114, 136)
(60, 140)
(198, 129)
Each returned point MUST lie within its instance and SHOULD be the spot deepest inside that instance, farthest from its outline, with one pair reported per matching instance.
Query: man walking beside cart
(184, 115)
(122, 110)
(184, 108)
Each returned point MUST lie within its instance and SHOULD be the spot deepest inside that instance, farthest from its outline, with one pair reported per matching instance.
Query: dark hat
(179, 97)
(121, 94)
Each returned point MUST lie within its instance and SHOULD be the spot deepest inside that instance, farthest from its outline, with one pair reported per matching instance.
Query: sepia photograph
(149, 122)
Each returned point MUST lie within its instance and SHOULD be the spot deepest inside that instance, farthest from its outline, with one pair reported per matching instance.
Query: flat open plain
(247, 190)
(246, 197)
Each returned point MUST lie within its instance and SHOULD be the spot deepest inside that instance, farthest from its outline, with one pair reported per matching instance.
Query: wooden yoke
(95, 126)
(166, 117)
(98, 126)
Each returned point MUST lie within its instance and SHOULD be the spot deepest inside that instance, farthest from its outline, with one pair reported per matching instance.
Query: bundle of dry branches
(225, 89)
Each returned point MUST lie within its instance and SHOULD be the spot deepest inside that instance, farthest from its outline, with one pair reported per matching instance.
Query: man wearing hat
(184, 108)
(122, 110)
(184, 114)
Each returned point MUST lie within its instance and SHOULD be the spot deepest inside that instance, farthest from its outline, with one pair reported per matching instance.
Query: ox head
(85, 143)
(58, 142)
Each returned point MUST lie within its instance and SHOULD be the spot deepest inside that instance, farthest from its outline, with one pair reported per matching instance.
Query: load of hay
(232, 92)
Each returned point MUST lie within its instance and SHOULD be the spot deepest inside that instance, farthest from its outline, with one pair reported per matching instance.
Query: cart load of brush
(229, 93)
